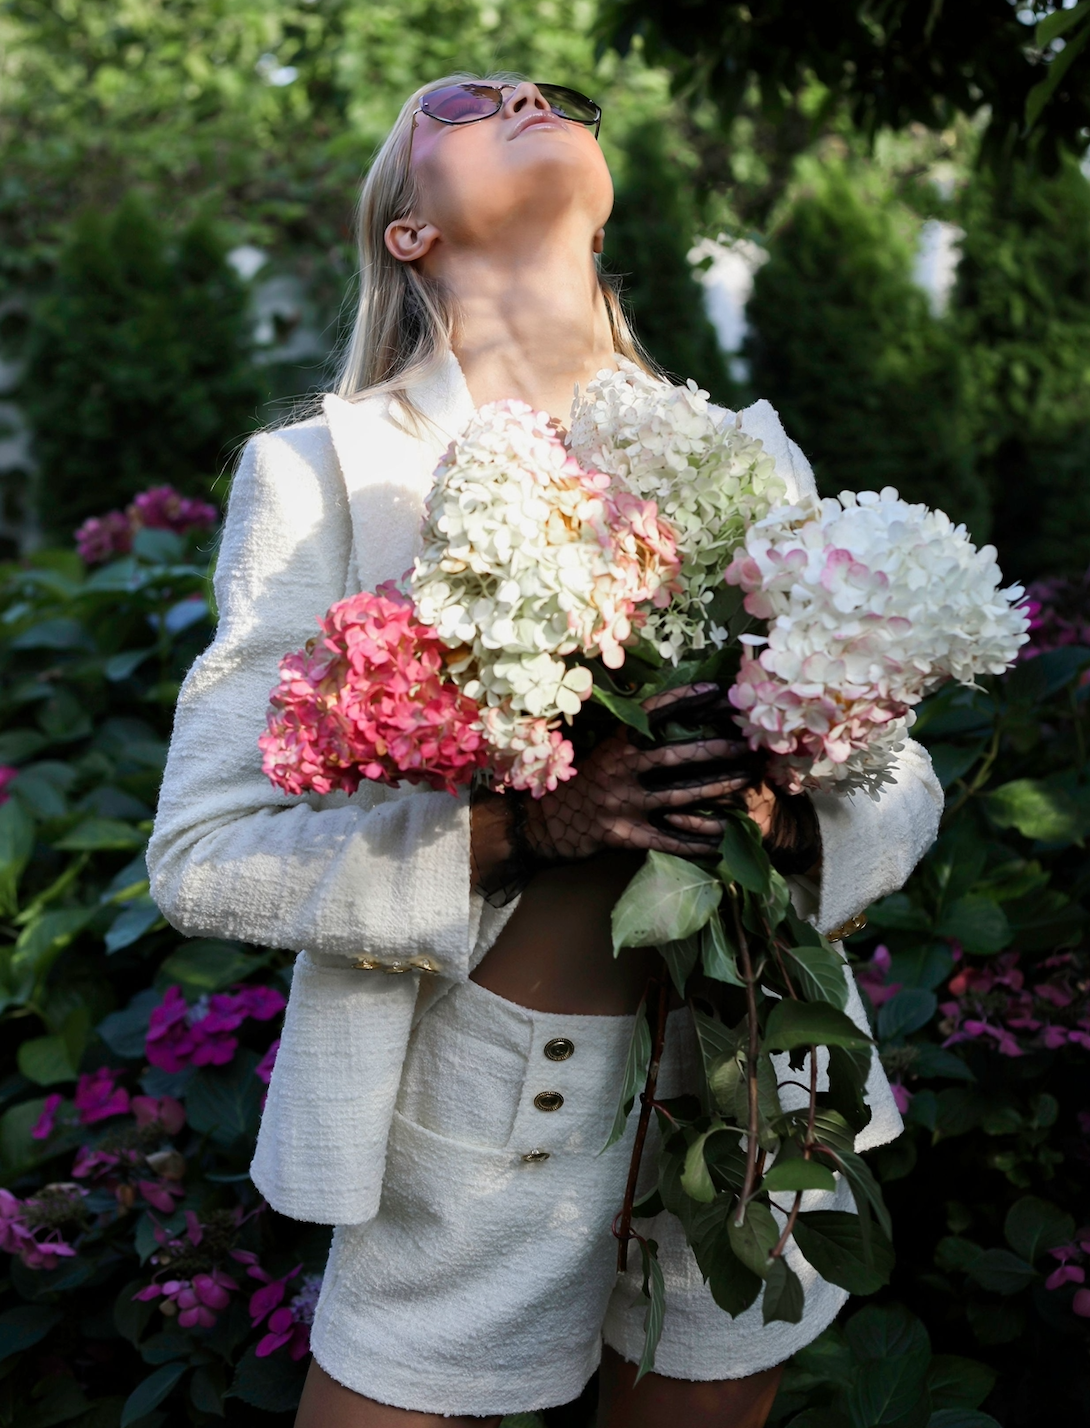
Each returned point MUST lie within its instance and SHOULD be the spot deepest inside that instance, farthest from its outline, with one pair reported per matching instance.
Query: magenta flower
(7, 773)
(44, 1126)
(197, 1302)
(902, 1096)
(161, 1193)
(98, 1097)
(872, 977)
(181, 1035)
(164, 509)
(288, 1324)
(1059, 614)
(263, 1069)
(102, 537)
(31, 1228)
(1081, 1303)
(370, 701)
(170, 1113)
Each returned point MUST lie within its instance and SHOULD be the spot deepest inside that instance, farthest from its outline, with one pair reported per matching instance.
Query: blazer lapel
(388, 470)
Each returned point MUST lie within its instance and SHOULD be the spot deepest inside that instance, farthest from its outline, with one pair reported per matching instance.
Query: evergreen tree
(648, 239)
(138, 368)
(1022, 311)
(845, 346)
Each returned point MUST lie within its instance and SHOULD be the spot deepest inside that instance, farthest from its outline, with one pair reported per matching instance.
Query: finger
(670, 755)
(696, 823)
(685, 696)
(680, 795)
(628, 833)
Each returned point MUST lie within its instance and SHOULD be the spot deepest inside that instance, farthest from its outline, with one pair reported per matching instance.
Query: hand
(625, 796)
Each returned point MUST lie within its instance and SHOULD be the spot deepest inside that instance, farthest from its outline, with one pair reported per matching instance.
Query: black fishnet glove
(624, 796)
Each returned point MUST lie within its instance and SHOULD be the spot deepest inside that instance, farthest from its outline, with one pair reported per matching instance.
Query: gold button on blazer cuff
(395, 965)
(854, 924)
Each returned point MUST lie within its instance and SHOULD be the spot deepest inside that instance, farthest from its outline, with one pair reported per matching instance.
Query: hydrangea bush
(144, 1281)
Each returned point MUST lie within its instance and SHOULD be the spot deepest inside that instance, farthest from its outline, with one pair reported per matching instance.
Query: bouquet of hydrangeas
(653, 548)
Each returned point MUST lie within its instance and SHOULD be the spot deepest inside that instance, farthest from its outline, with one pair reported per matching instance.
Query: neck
(532, 322)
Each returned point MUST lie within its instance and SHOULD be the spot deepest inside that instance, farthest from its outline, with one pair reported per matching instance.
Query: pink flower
(289, 1323)
(902, 1096)
(30, 1229)
(98, 1097)
(102, 537)
(93, 1162)
(1081, 1303)
(161, 1193)
(369, 701)
(181, 1035)
(872, 977)
(170, 1113)
(263, 1069)
(7, 773)
(1066, 1274)
(43, 1127)
(162, 508)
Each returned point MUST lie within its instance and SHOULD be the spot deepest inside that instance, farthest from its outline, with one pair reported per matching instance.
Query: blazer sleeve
(869, 846)
(232, 856)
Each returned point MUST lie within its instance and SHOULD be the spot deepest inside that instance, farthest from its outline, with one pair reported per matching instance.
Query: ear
(599, 241)
(408, 240)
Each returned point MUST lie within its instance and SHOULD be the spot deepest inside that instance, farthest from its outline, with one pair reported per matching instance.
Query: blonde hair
(404, 322)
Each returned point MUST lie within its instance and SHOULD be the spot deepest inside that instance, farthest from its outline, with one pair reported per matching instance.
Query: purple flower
(31, 1228)
(263, 1069)
(7, 773)
(162, 508)
(288, 1324)
(102, 537)
(902, 1096)
(201, 1035)
(169, 1112)
(872, 977)
(98, 1097)
(44, 1126)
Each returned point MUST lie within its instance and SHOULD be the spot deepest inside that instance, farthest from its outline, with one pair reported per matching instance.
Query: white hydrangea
(709, 482)
(871, 604)
(528, 558)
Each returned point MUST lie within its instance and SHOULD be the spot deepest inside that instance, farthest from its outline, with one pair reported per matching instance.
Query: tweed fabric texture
(318, 511)
(487, 1283)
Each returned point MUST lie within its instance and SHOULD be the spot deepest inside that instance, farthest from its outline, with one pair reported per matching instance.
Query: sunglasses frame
(563, 88)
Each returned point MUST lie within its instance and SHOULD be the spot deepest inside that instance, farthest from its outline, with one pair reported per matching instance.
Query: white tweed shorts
(487, 1282)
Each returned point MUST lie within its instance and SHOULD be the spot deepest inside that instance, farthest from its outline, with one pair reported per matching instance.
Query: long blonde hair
(404, 322)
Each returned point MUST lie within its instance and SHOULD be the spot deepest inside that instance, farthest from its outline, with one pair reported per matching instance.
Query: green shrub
(845, 347)
(138, 368)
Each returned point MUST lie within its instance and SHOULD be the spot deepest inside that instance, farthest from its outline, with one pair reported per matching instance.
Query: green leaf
(715, 1040)
(848, 1073)
(209, 965)
(151, 1392)
(962, 1418)
(978, 923)
(125, 1031)
(818, 975)
(18, 745)
(102, 833)
(16, 846)
(274, 1383)
(680, 958)
(62, 1401)
(743, 858)
(893, 1351)
(668, 899)
(1058, 23)
(637, 1060)
(654, 1290)
(935, 1061)
(783, 1297)
(58, 634)
(695, 1178)
(1041, 93)
(1038, 810)
(755, 1237)
(865, 1189)
(1033, 1226)
(24, 1326)
(798, 1175)
(910, 1009)
(718, 954)
(959, 1383)
(131, 923)
(898, 913)
(225, 1101)
(792, 1024)
(734, 1287)
(628, 711)
(1001, 1271)
(46, 1060)
(45, 938)
(953, 1254)
(832, 1241)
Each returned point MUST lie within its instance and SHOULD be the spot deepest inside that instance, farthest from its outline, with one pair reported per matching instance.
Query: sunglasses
(468, 103)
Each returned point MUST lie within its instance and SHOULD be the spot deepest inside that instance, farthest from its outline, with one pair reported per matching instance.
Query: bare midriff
(556, 952)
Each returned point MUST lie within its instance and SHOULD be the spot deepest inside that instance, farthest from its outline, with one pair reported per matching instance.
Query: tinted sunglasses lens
(462, 103)
(570, 104)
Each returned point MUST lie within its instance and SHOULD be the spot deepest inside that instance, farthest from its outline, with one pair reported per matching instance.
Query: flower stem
(657, 1002)
(752, 1054)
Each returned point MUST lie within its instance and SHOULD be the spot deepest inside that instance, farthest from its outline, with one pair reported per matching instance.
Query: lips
(535, 119)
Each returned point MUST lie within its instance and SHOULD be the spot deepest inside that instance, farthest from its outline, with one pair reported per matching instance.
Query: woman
(447, 1119)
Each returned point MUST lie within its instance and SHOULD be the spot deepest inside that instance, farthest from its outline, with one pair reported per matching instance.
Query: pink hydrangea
(197, 1302)
(288, 1324)
(97, 1096)
(201, 1034)
(993, 1003)
(873, 977)
(31, 1229)
(161, 508)
(369, 700)
(102, 537)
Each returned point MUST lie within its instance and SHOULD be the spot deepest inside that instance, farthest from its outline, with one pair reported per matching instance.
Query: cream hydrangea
(871, 604)
(528, 558)
(710, 482)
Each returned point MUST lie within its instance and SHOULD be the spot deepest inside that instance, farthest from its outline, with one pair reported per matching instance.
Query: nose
(526, 96)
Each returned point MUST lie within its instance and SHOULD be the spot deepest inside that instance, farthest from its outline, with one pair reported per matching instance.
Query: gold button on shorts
(559, 1049)
(548, 1100)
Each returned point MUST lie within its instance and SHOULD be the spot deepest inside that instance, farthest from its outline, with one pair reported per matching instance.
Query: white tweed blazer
(320, 510)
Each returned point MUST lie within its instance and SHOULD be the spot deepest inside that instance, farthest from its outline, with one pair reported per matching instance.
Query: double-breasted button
(534, 1157)
(548, 1100)
(559, 1049)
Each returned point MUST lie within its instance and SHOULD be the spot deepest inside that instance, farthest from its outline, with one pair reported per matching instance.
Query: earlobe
(599, 241)
(408, 241)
